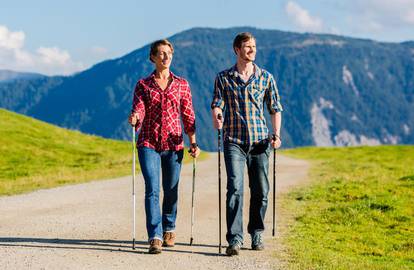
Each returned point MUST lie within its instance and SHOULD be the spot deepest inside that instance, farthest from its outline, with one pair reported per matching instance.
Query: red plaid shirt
(159, 113)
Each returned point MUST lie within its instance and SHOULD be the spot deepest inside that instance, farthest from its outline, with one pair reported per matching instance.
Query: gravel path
(89, 226)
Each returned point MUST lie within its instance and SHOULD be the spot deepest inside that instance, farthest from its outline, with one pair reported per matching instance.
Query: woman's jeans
(256, 157)
(152, 163)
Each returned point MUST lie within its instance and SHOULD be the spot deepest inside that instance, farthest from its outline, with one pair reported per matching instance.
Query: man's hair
(240, 38)
(155, 44)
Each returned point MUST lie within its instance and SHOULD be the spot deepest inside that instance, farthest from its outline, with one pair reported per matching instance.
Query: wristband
(193, 145)
(276, 136)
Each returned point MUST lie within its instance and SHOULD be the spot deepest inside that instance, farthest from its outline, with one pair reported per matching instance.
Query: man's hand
(217, 118)
(194, 150)
(133, 119)
(276, 141)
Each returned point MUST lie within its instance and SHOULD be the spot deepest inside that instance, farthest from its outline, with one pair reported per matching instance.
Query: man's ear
(236, 51)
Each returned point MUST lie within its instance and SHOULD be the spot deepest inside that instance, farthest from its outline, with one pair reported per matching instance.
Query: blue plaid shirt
(243, 102)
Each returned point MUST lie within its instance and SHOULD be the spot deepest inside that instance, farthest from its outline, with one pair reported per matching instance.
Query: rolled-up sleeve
(138, 103)
(218, 94)
(272, 97)
(187, 110)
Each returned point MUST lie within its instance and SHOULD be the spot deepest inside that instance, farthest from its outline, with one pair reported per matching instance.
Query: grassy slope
(37, 155)
(358, 214)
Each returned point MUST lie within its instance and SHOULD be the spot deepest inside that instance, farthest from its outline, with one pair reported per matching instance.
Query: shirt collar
(173, 76)
(233, 71)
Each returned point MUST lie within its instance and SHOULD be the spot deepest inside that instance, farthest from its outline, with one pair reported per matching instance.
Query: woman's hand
(133, 119)
(194, 150)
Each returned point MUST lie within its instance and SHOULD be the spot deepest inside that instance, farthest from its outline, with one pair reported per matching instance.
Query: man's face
(164, 56)
(247, 51)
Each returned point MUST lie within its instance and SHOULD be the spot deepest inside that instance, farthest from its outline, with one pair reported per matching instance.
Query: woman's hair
(155, 44)
(240, 38)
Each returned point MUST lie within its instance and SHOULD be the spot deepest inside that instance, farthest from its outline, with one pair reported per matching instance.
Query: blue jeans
(152, 163)
(256, 157)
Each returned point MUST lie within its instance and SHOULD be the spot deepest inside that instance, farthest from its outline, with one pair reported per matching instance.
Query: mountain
(335, 90)
(8, 75)
(23, 95)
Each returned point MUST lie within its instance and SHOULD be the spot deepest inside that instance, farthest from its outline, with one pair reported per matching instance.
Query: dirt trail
(89, 226)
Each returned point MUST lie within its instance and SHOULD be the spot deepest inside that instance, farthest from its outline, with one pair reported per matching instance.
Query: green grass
(36, 155)
(359, 211)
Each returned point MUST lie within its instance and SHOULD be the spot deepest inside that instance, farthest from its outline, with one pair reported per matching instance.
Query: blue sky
(61, 38)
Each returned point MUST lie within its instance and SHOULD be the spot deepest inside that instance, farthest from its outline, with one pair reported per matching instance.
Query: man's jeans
(257, 159)
(152, 162)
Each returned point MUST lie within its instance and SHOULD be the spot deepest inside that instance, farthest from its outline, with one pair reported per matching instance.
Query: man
(241, 92)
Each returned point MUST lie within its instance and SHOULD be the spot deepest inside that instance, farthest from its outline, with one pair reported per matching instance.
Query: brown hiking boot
(155, 246)
(169, 239)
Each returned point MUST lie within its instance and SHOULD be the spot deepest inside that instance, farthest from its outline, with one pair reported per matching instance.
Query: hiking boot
(169, 239)
(155, 246)
(257, 242)
(233, 248)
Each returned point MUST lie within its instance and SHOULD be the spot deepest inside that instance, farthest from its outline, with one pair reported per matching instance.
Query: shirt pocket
(154, 98)
(257, 92)
(173, 98)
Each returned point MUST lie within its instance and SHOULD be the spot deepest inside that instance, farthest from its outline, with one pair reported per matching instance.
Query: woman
(159, 101)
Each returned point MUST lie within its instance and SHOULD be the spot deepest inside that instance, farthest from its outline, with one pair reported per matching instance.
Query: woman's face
(163, 57)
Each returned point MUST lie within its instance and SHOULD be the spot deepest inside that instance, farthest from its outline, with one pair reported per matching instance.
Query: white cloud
(46, 60)
(379, 19)
(409, 16)
(302, 18)
(399, 10)
(98, 50)
(11, 40)
(383, 12)
(53, 56)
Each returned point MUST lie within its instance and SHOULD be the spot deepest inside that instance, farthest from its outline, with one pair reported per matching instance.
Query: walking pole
(133, 184)
(192, 202)
(219, 180)
(274, 187)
